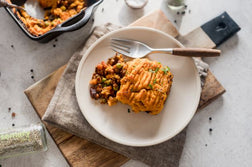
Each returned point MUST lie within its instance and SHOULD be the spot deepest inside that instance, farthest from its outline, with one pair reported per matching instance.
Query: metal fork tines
(120, 46)
(130, 48)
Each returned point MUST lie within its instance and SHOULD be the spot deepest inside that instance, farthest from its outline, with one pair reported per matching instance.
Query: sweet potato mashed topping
(57, 11)
(144, 85)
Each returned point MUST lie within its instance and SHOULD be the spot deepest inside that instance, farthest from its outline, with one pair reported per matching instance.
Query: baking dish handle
(78, 24)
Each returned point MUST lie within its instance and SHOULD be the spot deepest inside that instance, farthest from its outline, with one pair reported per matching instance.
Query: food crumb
(13, 124)
(54, 45)
(31, 70)
(210, 118)
(32, 77)
(183, 12)
(210, 129)
(13, 115)
(175, 21)
(178, 13)
(9, 109)
(56, 40)
(128, 110)
(185, 6)
(12, 46)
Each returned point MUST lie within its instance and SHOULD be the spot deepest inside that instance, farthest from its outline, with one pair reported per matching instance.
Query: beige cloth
(63, 112)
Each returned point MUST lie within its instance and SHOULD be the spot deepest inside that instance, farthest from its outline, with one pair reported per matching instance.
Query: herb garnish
(128, 110)
(155, 81)
(156, 70)
(166, 69)
(150, 86)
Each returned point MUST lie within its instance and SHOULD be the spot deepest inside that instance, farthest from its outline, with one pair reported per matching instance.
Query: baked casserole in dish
(60, 16)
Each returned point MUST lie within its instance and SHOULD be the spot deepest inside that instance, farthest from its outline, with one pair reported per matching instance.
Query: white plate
(140, 129)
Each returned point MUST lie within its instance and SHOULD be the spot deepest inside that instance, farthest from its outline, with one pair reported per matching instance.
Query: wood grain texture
(196, 52)
(196, 39)
(80, 152)
(211, 90)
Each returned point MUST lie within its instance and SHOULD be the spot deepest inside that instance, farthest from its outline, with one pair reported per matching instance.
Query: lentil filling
(106, 79)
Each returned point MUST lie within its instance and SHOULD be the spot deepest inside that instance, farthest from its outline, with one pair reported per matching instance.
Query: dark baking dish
(72, 24)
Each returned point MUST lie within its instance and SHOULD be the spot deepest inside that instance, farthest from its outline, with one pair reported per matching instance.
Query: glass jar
(22, 140)
(176, 4)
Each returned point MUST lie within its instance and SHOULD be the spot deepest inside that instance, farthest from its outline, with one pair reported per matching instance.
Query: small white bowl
(136, 4)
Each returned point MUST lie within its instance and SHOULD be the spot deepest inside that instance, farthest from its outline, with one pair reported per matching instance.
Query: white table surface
(229, 145)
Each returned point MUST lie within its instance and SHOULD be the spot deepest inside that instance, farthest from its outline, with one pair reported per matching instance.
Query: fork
(3, 3)
(136, 49)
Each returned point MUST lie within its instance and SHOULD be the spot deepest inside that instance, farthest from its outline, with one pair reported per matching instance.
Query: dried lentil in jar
(23, 140)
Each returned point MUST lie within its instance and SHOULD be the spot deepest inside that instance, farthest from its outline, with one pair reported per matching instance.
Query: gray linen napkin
(63, 112)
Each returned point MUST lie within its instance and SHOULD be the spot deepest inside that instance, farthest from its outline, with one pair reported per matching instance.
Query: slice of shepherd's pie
(140, 83)
(145, 85)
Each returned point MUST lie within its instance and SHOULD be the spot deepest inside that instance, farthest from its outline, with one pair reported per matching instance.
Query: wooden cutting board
(80, 152)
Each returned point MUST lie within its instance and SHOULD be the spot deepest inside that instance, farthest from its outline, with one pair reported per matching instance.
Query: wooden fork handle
(196, 52)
